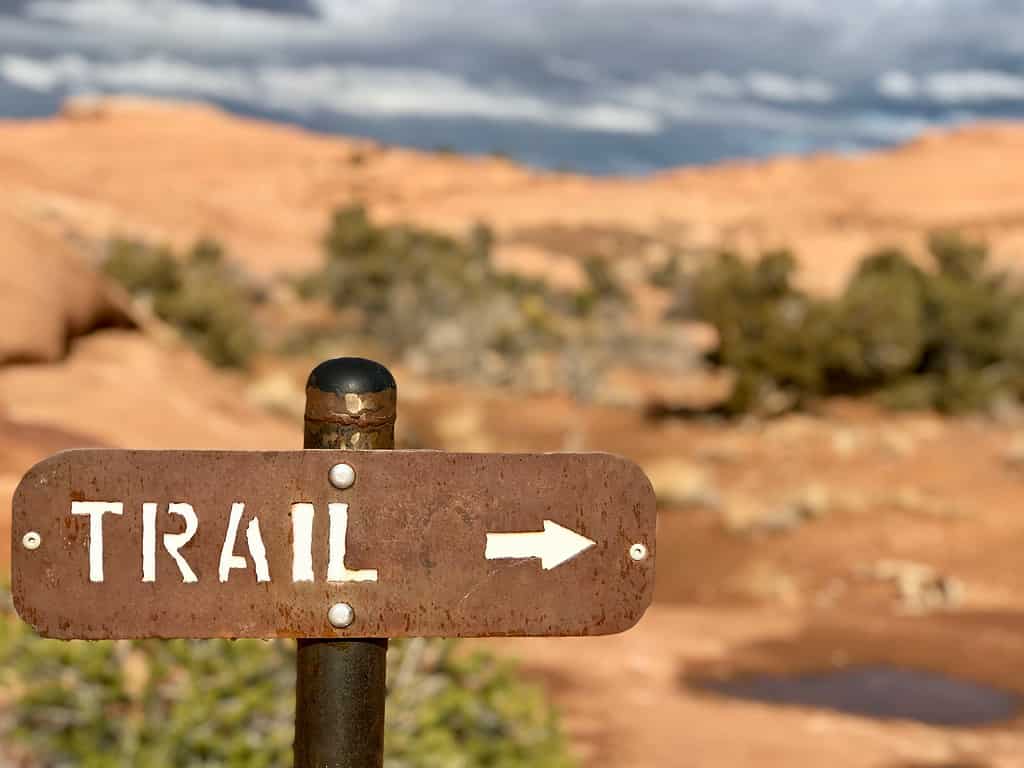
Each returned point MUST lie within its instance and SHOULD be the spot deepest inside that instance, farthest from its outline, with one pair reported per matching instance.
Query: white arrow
(554, 545)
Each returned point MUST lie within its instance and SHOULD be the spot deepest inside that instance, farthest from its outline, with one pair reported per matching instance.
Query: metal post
(340, 684)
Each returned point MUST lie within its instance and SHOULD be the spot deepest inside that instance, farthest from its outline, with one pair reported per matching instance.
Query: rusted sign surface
(123, 544)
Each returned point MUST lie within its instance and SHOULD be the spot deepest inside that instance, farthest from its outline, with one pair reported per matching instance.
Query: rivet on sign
(638, 552)
(342, 476)
(31, 540)
(341, 615)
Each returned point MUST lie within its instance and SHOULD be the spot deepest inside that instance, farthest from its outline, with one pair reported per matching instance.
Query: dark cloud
(605, 85)
(281, 6)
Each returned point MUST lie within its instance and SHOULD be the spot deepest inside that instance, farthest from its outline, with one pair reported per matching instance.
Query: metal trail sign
(342, 546)
(324, 543)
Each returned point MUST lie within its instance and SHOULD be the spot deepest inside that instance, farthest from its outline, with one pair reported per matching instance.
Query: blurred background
(769, 249)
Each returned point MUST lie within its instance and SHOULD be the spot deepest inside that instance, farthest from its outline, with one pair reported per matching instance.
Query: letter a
(228, 558)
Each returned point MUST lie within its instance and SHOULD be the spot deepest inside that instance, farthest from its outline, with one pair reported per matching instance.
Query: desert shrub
(400, 276)
(669, 274)
(602, 287)
(879, 325)
(770, 333)
(449, 708)
(948, 337)
(140, 268)
(440, 304)
(435, 298)
(151, 704)
(201, 294)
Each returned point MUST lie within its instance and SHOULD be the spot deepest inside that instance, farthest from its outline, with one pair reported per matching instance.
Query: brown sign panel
(125, 544)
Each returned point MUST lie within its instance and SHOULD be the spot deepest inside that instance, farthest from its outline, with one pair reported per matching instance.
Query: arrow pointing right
(552, 546)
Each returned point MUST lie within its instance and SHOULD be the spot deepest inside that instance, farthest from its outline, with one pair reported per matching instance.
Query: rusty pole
(340, 684)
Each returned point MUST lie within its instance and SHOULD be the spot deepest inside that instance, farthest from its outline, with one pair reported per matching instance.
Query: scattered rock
(927, 428)
(846, 442)
(921, 587)
(744, 515)
(908, 498)
(462, 429)
(724, 451)
(898, 442)
(279, 393)
(740, 514)
(763, 580)
(1006, 411)
(748, 516)
(912, 500)
(680, 483)
(1014, 455)
(831, 593)
(812, 502)
(701, 337)
(849, 500)
(790, 429)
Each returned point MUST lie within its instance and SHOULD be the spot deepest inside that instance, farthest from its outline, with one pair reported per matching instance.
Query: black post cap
(351, 375)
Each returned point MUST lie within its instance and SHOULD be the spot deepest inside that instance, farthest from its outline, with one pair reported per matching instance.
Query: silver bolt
(31, 540)
(638, 552)
(341, 615)
(342, 476)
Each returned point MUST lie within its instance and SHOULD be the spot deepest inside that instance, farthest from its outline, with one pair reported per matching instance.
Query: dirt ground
(808, 543)
(843, 539)
(165, 171)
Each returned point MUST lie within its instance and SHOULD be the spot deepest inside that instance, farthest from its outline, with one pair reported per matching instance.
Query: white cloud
(772, 86)
(355, 90)
(184, 24)
(974, 86)
(376, 92)
(669, 90)
(573, 69)
(362, 13)
(713, 96)
(31, 74)
(897, 85)
(756, 72)
(951, 87)
(714, 99)
(153, 74)
(193, 26)
(717, 85)
(671, 93)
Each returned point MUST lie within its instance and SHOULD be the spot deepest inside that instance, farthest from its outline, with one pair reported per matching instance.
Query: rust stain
(421, 518)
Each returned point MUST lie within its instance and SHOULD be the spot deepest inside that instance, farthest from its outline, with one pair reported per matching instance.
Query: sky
(603, 86)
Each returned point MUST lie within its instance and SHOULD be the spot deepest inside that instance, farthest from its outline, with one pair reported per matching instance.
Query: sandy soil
(742, 588)
(737, 591)
(810, 542)
(174, 172)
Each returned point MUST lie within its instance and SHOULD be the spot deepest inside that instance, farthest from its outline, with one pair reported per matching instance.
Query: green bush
(142, 269)
(401, 276)
(200, 294)
(770, 334)
(603, 287)
(437, 298)
(151, 704)
(668, 274)
(449, 709)
(948, 338)
(440, 304)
